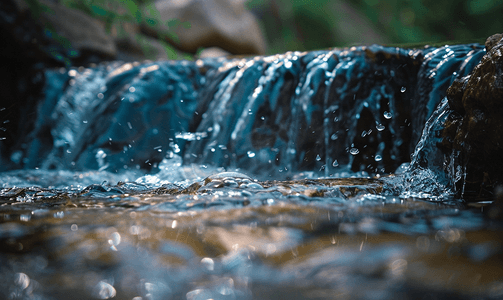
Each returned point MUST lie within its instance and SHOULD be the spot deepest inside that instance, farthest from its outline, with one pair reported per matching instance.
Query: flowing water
(281, 177)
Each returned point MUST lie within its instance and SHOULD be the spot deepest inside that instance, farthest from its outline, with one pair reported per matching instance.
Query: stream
(304, 175)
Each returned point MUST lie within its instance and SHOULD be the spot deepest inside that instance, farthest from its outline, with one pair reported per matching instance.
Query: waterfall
(335, 113)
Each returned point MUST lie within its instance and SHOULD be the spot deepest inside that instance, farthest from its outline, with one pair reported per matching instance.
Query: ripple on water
(229, 236)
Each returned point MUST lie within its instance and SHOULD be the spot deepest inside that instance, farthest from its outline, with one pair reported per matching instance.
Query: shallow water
(191, 192)
(229, 236)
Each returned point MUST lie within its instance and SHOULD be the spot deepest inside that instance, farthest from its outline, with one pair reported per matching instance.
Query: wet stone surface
(473, 131)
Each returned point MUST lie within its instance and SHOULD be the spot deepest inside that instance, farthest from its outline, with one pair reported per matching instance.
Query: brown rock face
(207, 23)
(473, 135)
(83, 32)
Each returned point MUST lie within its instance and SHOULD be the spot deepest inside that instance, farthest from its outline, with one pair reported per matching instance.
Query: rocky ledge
(473, 135)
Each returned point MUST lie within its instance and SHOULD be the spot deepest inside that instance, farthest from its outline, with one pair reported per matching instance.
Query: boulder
(84, 34)
(26, 51)
(138, 47)
(473, 134)
(213, 52)
(206, 23)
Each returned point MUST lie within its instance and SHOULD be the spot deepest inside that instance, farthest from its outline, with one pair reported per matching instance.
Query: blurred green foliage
(413, 21)
(306, 25)
(317, 24)
(117, 15)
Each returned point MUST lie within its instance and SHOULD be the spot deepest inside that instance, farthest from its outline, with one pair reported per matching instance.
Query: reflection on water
(229, 236)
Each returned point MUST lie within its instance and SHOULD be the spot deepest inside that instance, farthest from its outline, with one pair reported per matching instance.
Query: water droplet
(115, 239)
(104, 290)
(354, 151)
(378, 157)
(212, 149)
(21, 280)
(388, 115)
(208, 263)
(333, 137)
(198, 294)
(403, 89)
(335, 163)
(250, 154)
(318, 158)
(380, 127)
(132, 89)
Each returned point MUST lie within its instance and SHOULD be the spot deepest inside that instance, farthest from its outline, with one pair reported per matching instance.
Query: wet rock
(493, 40)
(438, 71)
(207, 23)
(495, 210)
(474, 130)
(26, 50)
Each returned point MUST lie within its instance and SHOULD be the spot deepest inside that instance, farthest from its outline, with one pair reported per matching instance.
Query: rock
(140, 47)
(473, 134)
(495, 210)
(25, 52)
(207, 23)
(493, 40)
(213, 52)
(83, 33)
(338, 24)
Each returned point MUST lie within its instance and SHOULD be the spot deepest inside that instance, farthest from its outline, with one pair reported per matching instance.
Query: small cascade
(424, 175)
(239, 178)
(115, 116)
(441, 66)
(331, 113)
(315, 111)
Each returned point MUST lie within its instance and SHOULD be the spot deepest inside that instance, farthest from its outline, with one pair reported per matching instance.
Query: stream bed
(232, 237)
